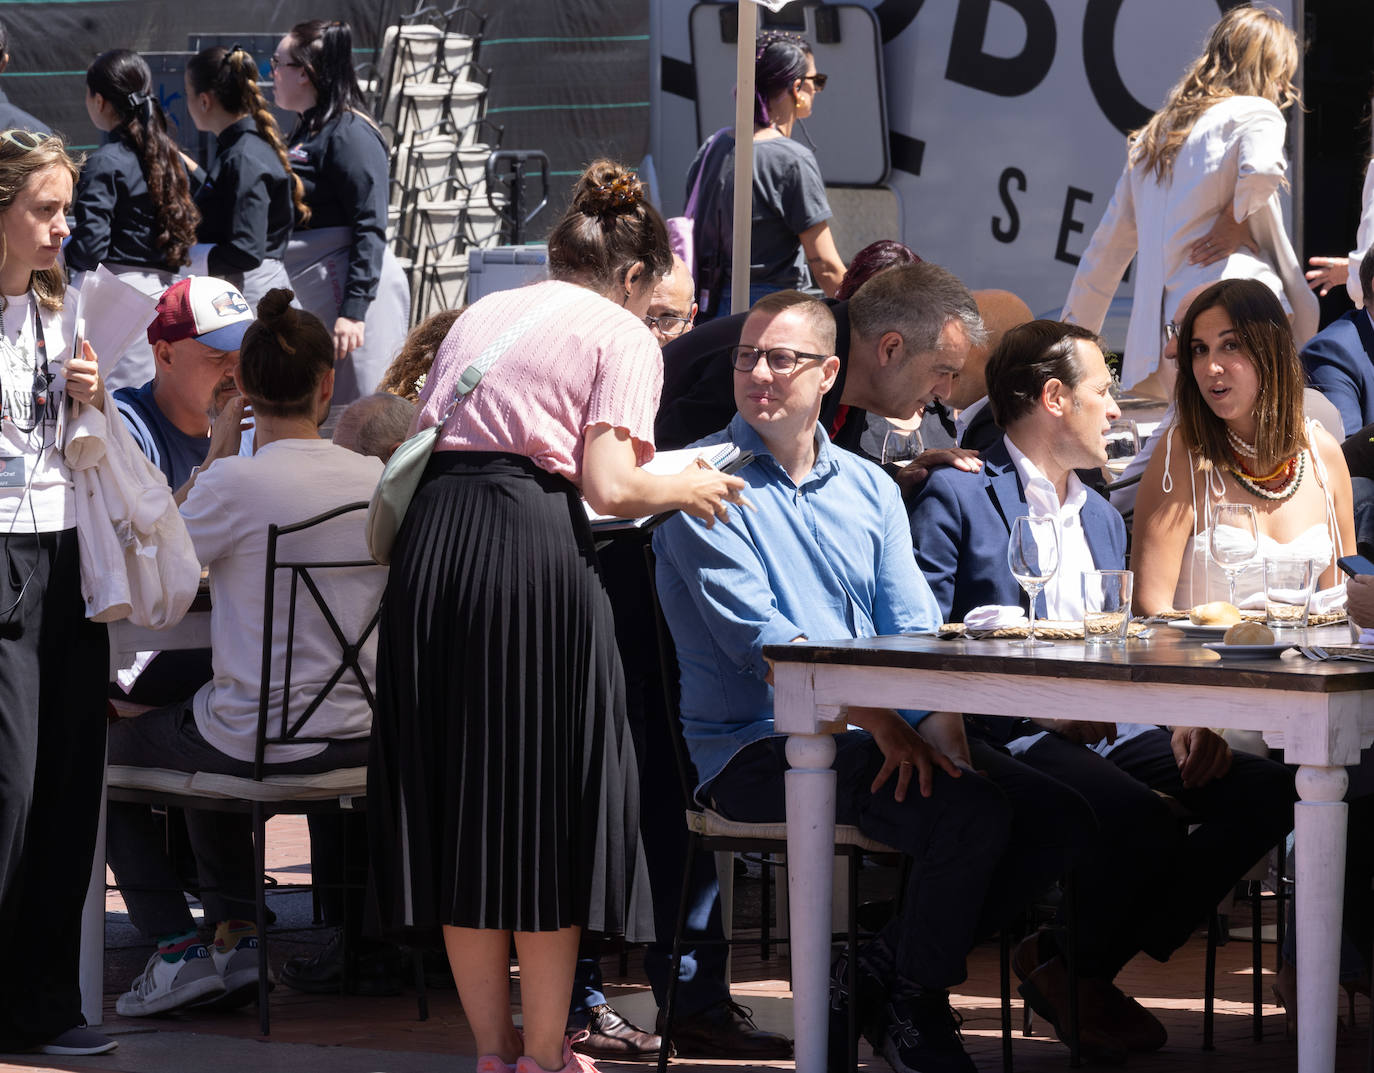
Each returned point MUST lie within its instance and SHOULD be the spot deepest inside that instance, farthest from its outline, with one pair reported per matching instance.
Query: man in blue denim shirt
(826, 553)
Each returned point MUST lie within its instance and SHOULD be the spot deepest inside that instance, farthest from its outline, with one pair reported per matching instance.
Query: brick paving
(340, 1034)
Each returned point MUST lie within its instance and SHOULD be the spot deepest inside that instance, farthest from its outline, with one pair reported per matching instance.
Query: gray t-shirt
(789, 198)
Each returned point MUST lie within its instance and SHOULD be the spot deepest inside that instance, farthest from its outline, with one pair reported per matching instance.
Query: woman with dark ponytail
(250, 199)
(791, 246)
(341, 268)
(133, 207)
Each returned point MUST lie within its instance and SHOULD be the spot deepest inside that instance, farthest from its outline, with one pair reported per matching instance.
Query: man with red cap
(195, 337)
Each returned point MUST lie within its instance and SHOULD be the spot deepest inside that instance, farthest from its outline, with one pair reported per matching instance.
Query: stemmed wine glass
(902, 445)
(1236, 547)
(1033, 555)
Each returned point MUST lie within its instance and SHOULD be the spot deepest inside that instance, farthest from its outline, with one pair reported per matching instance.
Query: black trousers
(53, 668)
(983, 846)
(1144, 884)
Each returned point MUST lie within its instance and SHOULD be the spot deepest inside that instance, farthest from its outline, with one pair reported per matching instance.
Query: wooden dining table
(1319, 713)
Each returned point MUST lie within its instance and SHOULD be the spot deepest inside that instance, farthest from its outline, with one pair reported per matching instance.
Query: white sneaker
(237, 969)
(169, 985)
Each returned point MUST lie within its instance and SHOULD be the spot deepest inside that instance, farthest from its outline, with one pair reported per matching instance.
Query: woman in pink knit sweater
(503, 774)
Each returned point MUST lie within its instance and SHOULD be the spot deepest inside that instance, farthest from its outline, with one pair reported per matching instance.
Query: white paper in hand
(111, 314)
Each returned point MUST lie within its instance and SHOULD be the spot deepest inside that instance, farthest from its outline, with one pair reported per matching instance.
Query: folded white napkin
(1367, 638)
(994, 617)
(1324, 600)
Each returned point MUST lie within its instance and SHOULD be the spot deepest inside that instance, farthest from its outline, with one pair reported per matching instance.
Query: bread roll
(1217, 613)
(1248, 633)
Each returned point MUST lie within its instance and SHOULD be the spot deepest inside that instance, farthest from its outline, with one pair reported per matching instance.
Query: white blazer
(1232, 158)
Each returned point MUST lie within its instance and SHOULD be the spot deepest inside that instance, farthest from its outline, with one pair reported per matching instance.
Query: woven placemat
(1049, 629)
(1316, 618)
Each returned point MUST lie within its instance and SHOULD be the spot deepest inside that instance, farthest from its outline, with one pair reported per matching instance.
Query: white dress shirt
(1064, 591)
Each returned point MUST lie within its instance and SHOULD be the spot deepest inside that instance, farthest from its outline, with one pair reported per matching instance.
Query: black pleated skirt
(503, 791)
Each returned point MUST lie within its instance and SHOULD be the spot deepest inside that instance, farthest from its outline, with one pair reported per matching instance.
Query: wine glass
(1236, 547)
(902, 445)
(1033, 555)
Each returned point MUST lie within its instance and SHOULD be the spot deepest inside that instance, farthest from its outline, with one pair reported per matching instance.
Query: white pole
(744, 155)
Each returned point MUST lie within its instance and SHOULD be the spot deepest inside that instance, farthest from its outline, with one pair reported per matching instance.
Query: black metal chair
(285, 722)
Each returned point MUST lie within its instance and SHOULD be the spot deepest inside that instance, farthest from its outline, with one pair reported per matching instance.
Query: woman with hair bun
(1198, 200)
(250, 199)
(340, 267)
(791, 247)
(503, 797)
(133, 207)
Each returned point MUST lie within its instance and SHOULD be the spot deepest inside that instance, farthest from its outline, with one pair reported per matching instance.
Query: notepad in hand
(726, 457)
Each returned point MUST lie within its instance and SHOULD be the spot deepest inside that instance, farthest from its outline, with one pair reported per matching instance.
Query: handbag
(681, 229)
(401, 477)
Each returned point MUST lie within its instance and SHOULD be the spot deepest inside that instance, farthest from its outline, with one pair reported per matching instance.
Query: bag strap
(691, 209)
(472, 375)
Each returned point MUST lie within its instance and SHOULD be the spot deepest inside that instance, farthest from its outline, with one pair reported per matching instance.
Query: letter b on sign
(1005, 76)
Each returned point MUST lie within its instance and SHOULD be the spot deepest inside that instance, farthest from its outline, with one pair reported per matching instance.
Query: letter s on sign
(1012, 228)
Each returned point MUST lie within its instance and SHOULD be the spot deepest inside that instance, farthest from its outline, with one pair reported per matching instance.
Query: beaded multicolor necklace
(1289, 474)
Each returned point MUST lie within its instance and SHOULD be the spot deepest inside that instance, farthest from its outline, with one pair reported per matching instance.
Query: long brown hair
(1263, 330)
(123, 78)
(18, 165)
(231, 77)
(1251, 52)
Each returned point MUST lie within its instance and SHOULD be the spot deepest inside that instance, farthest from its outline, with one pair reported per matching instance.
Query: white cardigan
(1233, 157)
(137, 561)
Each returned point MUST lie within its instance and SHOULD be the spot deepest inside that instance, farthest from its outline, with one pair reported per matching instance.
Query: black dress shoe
(725, 1030)
(378, 970)
(609, 1035)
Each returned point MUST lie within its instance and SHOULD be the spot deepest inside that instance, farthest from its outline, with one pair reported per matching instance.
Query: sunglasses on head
(26, 140)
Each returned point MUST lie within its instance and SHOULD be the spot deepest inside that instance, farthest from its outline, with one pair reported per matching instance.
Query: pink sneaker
(490, 1063)
(573, 1062)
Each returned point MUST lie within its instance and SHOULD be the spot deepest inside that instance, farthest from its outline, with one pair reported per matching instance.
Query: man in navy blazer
(1339, 360)
(1143, 886)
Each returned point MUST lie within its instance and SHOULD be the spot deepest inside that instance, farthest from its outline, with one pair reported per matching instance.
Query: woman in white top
(1239, 437)
(53, 660)
(1199, 198)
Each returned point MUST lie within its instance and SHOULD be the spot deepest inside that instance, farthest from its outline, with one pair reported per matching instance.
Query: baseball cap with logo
(202, 308)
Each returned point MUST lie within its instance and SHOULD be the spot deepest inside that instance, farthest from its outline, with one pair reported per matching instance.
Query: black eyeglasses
(668, 325)
(274, 63)
(819, 79)
(781, 359)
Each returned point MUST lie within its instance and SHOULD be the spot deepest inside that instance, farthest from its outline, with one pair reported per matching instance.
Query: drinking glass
(902, 445)
(1288, 585)
(1123, 440)
(1231, 553)
(1033, 556)
(1106, 606)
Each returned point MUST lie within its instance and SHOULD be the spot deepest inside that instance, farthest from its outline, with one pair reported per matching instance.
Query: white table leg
(91, 973)
(810, 794)
(1319, 824)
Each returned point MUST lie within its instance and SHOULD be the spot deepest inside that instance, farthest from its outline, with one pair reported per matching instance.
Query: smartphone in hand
(1355, 565)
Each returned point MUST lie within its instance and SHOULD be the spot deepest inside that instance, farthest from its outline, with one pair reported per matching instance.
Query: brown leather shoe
(1125, 1018)
(1045, 987)
(726, 1030)
(609, 1035)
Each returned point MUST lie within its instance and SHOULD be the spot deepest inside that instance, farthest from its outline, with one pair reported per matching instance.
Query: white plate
(1226, 651)
(1194, 629)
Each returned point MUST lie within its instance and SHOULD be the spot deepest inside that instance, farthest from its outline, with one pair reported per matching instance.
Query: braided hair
(231, 77)
(123, 79)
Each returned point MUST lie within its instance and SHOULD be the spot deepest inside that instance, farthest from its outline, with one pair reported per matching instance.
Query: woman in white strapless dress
(1239, 437)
